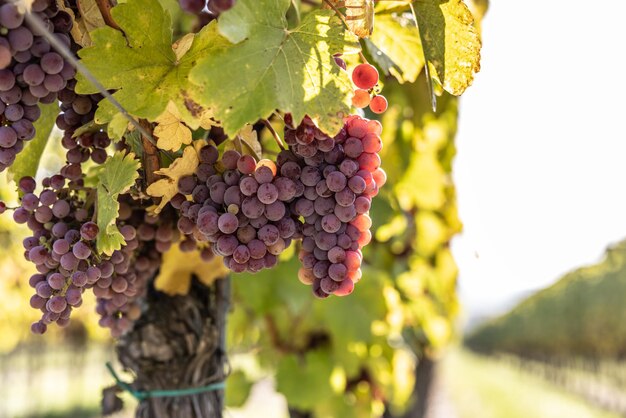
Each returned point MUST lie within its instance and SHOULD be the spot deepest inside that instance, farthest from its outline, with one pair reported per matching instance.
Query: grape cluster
(214, 7)
(78, 110)
(365, 77)
(242, 211)
(61, 246)
(30, 72)
(119, 295)
(341, 175)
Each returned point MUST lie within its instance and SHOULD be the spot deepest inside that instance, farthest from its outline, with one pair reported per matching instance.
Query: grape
(361, 98)
(267, 193)
(378, 104)
(221, 5)
(246, 164)
(275, 211)
(365, 76)
(336, 181)
(228, 223)
(89, 231)
(81, 251)
(8, 137)
(192, 6)
(20, 39)
(340, 62)
(10, 17)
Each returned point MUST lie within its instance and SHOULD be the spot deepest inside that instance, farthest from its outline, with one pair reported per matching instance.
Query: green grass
(485, 388)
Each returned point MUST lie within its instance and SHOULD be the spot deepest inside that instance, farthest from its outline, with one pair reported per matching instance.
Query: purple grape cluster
(78, 110)
(341, 175)
(62, 247)
(215, 7)
(243, 212)
(30, 72)
(119, 295)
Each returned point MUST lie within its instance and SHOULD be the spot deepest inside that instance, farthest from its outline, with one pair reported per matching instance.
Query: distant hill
(583, 314)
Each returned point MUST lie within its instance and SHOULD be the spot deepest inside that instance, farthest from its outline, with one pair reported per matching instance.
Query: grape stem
(274, 133)
(105, 10)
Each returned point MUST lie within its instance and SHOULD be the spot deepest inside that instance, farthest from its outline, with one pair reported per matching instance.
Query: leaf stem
(274, 133)
(105, 10)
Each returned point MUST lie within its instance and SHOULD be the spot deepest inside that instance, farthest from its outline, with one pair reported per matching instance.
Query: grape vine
(244, 136)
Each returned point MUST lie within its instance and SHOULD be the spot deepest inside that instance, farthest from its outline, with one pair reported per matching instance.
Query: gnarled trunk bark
(179, 343)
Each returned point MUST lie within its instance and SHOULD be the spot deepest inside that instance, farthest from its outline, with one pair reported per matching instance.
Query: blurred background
(536, 171)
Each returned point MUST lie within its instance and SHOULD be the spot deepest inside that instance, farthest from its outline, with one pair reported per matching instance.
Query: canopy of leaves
(117, 176)
(270, 66)
(581, 315)
(141, 64)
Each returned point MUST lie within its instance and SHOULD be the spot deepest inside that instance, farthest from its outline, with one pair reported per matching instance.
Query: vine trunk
(179, 343)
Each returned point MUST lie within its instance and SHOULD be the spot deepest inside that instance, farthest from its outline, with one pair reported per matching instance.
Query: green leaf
(27, 162)
(141, 64)
(272, 67)
(117, 127)
(117, 176)
(451, 43)
(237, 389)
(399, 40)
(304, 381)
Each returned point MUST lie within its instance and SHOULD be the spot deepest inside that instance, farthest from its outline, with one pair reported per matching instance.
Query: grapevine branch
(151, 155)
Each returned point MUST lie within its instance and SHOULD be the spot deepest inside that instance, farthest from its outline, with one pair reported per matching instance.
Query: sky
(541, 163)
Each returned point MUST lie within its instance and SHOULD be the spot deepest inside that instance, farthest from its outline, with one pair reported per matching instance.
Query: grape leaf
(399, 40)
(273, 67)
(238, 388)
(314, 368)
(360, 17)
(175, 277)
(167, 187)
(170, 132)
(27, 162)
(248, 139)
(451, 43)
(118, 174)
(390, 6)
(142, 65)
(117, 127)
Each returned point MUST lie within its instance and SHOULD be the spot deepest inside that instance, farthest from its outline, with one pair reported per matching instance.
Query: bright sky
(541, 164)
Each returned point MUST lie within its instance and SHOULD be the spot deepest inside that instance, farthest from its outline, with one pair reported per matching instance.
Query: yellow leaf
(207, 119)
(178, 267)
(250, 139)
(90, 19)
(171, 132)
(183, 45)
(184, 166)
(359, 15)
